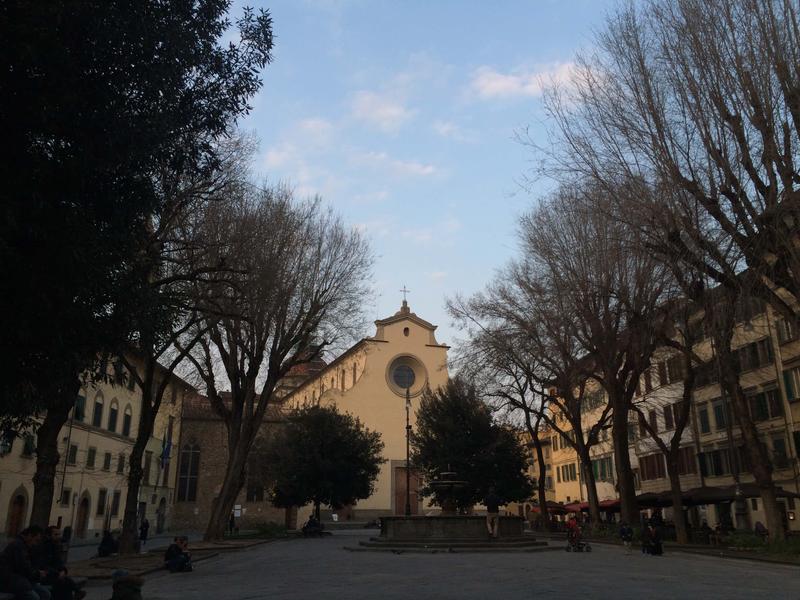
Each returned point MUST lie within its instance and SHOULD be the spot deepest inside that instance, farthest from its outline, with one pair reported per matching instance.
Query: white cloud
(317, 128)
(420, 235)
(437, 275)
(450, 130)
(398, 167)
(380, 110)
(279, 156)
(489, 83)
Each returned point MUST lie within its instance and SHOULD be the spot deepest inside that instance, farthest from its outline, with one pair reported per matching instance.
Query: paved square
(320, 569)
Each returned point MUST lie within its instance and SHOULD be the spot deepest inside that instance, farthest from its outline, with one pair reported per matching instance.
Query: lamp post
(408, 462)
(404, 377)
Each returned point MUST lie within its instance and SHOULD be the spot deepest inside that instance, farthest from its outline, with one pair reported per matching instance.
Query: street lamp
(403, 377)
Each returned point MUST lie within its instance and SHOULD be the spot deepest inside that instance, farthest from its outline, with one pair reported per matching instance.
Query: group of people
(32, 567)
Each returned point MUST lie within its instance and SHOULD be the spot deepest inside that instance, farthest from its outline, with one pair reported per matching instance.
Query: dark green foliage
(455, 432)
(322, 456)
(98, 100)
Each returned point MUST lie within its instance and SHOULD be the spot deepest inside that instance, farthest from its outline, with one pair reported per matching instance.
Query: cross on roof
(405, 291)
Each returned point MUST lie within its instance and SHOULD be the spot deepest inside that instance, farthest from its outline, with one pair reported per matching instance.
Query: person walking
(232, 524)
(626, 535)
(492, 503)
(144, 529)
(18, 576)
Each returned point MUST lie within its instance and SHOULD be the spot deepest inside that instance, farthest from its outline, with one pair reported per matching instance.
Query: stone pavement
(321, 569)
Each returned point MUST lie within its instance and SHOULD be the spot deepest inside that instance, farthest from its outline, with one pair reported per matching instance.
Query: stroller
(575, 541)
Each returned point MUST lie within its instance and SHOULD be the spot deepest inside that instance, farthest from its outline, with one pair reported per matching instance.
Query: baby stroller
(575, 541)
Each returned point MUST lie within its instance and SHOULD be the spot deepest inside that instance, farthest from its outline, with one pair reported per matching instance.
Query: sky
(403, 117)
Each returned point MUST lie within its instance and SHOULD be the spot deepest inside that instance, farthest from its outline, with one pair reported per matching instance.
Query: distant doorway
(82, 518)
(16, 514)
(400, 491)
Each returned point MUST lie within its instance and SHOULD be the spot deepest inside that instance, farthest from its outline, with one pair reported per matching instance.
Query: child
(626, 534)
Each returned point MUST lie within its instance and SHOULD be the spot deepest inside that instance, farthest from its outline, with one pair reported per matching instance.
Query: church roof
(403, 314)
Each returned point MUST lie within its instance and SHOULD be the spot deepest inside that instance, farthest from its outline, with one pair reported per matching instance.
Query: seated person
(761, 531)
(47, 558)
(126, 586)
(177, 558)
(312, 527)
(18, 576)
(108, 545)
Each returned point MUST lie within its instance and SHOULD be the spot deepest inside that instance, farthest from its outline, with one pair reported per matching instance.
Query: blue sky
(402, 115)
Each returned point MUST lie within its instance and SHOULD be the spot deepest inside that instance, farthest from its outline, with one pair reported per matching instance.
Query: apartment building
(95, 446)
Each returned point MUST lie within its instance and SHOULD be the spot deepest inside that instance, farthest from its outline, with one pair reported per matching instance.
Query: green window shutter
(788, 381)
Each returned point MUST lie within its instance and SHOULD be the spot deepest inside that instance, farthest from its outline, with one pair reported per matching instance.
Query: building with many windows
(95, 447)
(711, 447)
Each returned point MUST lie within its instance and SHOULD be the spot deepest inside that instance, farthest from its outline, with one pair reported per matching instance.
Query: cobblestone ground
(320, 569)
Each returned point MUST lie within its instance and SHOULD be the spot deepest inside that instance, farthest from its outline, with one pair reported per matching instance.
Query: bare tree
(180, 272)
(610, 289)
(681, 338)
(528, 349)
(303, 278)
(503, 371)
(695, 103)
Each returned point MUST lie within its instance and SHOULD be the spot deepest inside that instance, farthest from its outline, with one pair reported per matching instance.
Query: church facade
(371, 381)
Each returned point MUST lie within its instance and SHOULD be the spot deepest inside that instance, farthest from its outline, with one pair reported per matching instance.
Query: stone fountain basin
(446, 527)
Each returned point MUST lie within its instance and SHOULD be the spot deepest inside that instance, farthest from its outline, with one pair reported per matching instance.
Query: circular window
(403, 376)
(406, 373)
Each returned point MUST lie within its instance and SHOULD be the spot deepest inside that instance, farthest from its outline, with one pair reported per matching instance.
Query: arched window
(113, 413)
(126, 421)
(188, 472)
(97, 413)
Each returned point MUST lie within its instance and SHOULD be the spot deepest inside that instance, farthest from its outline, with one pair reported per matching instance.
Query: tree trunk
(760, 463)
(678, 516)
(316, 511)
(626, 487)
(541, 483)
(232, 484)
(591, 488)
(47, 459)
(129, 535)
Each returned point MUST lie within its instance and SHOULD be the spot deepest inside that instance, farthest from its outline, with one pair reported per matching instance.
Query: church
(371, 381)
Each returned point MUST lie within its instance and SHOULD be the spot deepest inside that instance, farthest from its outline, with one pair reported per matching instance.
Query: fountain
(450, 531)
(445, 487)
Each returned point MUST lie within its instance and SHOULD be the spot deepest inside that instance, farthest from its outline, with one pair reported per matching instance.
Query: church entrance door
(400, 491)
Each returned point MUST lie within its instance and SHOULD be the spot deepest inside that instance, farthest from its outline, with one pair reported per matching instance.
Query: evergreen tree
(455, 432)
(321, 456)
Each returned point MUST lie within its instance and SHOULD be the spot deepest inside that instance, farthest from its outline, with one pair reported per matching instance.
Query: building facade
(95, 447)
(711, 447)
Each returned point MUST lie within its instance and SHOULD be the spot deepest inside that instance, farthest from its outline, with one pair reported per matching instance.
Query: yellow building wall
(373, 399)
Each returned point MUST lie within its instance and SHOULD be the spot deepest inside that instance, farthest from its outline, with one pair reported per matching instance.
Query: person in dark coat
(18, 576)
(177, 558)
(108, 545)
(656, 541)
(126, 586)
(144, 529)
(626, 535)
(47, 558)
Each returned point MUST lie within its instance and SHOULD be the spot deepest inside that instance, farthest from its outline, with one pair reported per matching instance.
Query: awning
(552, 508)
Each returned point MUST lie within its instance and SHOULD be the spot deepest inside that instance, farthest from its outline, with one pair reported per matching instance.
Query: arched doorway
(82, 518)
(161, 516)
(16, 512)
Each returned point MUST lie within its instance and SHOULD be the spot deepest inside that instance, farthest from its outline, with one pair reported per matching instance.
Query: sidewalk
(702, 549)
(153, 559)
